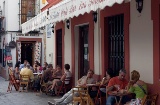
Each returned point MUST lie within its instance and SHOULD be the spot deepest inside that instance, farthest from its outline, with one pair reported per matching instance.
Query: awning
(38, 21)
(65, 10)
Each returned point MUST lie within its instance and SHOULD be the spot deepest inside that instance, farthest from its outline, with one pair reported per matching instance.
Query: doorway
(59, 47)
(83, 50)
(27, 52)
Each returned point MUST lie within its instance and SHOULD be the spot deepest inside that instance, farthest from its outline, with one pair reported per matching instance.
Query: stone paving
(21, 98)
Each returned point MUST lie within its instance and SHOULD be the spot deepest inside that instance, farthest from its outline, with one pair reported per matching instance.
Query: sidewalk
(21, 98)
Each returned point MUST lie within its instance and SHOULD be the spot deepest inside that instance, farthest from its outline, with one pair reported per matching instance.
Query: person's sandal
(50, 103)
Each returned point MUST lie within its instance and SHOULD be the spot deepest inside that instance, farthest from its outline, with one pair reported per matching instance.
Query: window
(27, 10)
(116, 42)
(59, 47)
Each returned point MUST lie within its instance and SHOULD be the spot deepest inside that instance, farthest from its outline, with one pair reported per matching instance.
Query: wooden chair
(43, 88)
(12, 82)
(99, 98)
(81, 95)
(151, 99)
(24, 81)
(63, 88)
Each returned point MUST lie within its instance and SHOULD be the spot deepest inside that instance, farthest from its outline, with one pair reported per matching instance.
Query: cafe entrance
(83, 50)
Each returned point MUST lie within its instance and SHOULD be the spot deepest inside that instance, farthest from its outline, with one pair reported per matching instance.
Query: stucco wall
(97, 47)
(12, 23)
(141, 41)
(50, 48)
(67, 46)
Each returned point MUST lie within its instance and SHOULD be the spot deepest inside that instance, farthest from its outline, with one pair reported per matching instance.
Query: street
(21, 98)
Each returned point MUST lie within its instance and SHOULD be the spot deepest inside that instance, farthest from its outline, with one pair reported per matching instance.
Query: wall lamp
(139, 5)
(68, 24)
(95, 16)
(52, 28)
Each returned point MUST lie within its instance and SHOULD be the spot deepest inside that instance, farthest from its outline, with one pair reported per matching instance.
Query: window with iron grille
(59, 47)
(27, 10)
(116, 42)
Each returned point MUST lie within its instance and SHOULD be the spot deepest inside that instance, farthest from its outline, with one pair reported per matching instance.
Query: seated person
(117, 85)
(104, 82)
(37, 67)
(27, 71)
(45, 64)
(57, 82)
(23, 65)
(16, 72)
(137, 86)
(57, 72)
(67, 98)
(47, 75)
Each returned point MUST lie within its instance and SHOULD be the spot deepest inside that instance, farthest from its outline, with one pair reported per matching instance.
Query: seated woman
(16, 72)
(37, 67)
(137, 86)
(57, 82)
(104, 82)
(57, 73)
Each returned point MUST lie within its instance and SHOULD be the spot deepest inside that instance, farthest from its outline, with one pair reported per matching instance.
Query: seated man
(47, 75)
(67, 98)
(23, 65)
(57, 82)
(27, 71)
(117, 85)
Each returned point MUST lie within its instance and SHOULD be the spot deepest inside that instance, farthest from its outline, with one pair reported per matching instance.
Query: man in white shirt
(67, 98)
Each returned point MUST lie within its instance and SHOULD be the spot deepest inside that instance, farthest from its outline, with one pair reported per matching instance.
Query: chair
(99, 98)
(43, 88)
(151, 99)
(12, 81)
(24, 81)
(64, 87)
(81, 95)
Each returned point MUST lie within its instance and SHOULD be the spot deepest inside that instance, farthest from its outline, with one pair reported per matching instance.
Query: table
(121, 96)
(37, 73)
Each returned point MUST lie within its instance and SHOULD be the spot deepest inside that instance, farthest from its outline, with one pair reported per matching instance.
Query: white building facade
(29, 46)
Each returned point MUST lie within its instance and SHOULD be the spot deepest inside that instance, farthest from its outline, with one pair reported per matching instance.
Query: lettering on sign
(82, 5)
(27, 35)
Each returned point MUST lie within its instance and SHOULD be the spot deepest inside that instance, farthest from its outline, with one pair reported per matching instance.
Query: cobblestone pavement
(21, 98)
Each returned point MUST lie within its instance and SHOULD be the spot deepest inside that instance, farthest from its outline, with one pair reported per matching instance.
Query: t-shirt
(116, 81)
(21, 66)
(68, 76)
(138, 91)
(47, 75)
(89, 80)
(27, 71)
(58, 74)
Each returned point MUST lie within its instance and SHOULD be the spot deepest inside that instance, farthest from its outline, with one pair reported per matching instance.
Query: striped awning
(65, 10)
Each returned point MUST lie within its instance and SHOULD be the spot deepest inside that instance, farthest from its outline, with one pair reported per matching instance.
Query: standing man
(68, 97)
(116, 84)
